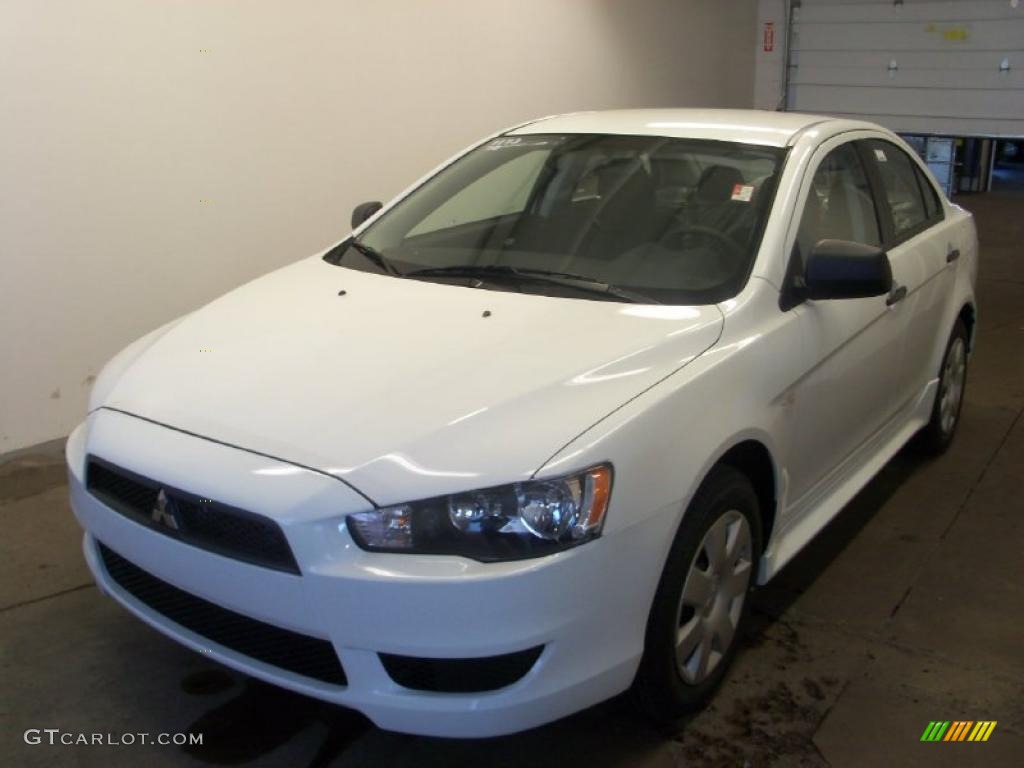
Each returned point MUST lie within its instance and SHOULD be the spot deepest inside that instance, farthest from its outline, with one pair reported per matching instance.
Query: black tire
(659, 689)
(935, 437)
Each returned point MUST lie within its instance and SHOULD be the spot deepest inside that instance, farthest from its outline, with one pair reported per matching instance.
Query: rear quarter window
(932, 206)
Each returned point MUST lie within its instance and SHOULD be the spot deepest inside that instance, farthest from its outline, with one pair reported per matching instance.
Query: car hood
(404, 389)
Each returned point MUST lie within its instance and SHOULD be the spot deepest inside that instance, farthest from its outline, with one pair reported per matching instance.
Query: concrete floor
(908, 608)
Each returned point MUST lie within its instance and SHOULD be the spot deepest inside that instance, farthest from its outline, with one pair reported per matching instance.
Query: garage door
(953, 68)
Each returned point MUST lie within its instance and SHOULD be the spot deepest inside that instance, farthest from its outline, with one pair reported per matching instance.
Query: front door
(850, 370)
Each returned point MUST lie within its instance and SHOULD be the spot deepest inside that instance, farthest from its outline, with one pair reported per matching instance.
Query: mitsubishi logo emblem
(163, 511)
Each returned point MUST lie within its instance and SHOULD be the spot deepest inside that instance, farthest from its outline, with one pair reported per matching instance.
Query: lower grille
(295, 652)
(487, 673)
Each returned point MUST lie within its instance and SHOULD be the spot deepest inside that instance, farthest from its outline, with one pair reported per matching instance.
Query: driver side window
(840, 205)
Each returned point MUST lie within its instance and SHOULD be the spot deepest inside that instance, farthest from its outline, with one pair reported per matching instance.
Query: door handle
(896, 295)
(952, 255)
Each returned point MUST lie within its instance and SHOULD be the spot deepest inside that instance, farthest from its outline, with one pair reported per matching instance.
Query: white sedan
(529, 436)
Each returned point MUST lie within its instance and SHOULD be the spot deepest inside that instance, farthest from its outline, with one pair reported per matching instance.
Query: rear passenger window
(902, 191)
(839, 205)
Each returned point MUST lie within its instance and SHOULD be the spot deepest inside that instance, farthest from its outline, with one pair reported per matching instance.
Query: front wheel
(936, 436)
(702, 599)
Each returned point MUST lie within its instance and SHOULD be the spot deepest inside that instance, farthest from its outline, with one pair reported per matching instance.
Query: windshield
(645, 218)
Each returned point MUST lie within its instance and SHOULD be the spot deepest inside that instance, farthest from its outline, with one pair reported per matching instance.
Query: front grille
(487, 673)
(200, 522)
(298, 653)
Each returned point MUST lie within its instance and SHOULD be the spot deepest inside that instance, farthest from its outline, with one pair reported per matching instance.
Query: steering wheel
(689, 231)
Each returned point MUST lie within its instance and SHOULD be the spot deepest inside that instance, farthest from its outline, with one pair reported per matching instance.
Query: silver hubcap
(713, 594)
(952, 386)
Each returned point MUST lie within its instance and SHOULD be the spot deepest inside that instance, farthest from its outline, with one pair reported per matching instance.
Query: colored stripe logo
(958, 730)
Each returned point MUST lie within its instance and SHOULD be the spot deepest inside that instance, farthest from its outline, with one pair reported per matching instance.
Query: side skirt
(809, 514)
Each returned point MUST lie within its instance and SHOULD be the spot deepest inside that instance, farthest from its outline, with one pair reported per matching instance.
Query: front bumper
(586, 607)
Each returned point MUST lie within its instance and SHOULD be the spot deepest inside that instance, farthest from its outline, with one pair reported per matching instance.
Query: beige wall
(156, 153)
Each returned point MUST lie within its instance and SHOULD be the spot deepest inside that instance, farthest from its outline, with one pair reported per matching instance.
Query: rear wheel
(702, 599)
(936, 436)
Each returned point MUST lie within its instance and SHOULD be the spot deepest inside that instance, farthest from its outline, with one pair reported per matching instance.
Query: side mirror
(363, 211)
(838, 269)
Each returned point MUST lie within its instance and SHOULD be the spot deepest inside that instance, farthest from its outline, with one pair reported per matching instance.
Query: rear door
(923, 251)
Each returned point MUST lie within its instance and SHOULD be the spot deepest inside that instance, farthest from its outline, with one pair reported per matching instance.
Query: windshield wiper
(567, 279)
(583, 281)
(372, 254)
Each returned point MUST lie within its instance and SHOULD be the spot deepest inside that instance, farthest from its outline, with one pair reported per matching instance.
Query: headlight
(509, 522)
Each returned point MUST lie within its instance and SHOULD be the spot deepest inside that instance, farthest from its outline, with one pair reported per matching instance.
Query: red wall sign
(769, 36)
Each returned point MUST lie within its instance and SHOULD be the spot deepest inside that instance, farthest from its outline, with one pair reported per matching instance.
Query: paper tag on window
(880, 155)
(742, 192)
(505, 141)
(520, 142)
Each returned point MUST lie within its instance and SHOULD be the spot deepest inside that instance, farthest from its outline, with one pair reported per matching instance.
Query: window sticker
(519, 142)
(505, 141)
(880, 155)
(524, 142)
(742, 192)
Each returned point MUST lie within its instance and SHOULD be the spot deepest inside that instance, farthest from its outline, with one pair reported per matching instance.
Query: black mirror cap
(363, 211)
(840, 269)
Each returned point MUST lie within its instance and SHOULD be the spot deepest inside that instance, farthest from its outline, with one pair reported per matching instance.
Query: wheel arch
(969, 316)
(750, 453)
(753, 458)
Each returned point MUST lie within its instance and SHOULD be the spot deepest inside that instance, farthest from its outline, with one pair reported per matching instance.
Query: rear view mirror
(839, 269)
(363, 211)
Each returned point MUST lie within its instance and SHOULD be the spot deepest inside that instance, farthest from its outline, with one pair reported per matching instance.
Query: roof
(748, 126)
